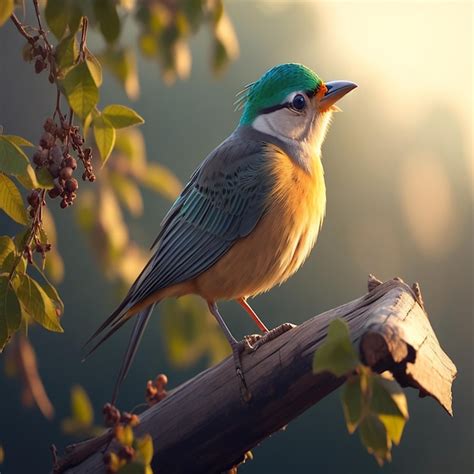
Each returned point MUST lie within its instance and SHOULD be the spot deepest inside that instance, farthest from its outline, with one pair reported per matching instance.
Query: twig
(21, 28)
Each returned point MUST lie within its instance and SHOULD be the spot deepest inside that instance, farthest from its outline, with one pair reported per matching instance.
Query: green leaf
(104, 134)
(50, 290)
(144, 447)
(336, 354)
(94, 67)
(123, 65)
(390, 404)
(128, 193)
(57, 16)
(18, 141)
(109, 21)
(161, 179)
(131, 145)
(13, 161)
(67, 51)
(11, 201)
(75, 16)
(394, 425)
(121, 116)
(12, 158)
(20, 240)
(388, 397)
(226, 45)
(44, 179)
(81, 407)
(374, 437)
(6, 9)
(352, 403)
(81, 90)
(125, 435)
(6, 247)
(10, 311)
(38, 304)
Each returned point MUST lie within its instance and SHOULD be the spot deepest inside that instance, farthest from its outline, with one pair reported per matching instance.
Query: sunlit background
(399, 171)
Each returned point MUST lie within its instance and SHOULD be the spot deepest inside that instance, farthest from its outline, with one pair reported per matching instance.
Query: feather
(222, 202)
(135, 337)
(242, 96)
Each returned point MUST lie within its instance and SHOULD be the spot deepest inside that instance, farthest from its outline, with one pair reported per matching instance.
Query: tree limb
(204, 426)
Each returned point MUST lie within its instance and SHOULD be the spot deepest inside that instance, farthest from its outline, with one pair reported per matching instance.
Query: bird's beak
(335, 90)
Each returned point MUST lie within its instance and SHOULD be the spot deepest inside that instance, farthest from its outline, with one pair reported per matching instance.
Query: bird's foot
(237, 350)
(253, 341)
(250, 344)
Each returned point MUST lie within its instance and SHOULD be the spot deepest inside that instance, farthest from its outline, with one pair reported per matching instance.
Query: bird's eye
(299, 102)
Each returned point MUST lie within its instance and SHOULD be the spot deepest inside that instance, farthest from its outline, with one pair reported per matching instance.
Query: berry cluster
(42, 54)
(122, 424)
(113, 417)
(53, 154)
(36, 201)
(155, 390)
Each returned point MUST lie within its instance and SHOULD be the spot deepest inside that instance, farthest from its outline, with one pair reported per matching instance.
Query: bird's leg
(237, 348)
(243, 302)
(254, 341)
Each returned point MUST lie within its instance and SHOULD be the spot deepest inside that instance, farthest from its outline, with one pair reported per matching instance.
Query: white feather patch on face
(304, 130)
(286, 123)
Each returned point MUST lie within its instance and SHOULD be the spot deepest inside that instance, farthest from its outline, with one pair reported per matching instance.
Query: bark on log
(203, 426)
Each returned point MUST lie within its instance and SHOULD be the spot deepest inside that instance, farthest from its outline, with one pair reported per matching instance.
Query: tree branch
(204, 425)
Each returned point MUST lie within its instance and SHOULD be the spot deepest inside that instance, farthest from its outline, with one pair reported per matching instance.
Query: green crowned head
(273, 87)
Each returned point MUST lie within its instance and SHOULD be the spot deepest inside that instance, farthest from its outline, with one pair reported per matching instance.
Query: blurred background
(399, 171)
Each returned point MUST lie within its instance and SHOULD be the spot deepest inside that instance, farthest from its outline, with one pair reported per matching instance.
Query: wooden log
(204, 426)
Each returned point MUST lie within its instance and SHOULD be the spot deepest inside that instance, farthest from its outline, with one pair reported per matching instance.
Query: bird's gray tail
(141, 321)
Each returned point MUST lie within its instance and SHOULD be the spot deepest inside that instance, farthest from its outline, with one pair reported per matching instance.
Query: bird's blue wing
(222, 202)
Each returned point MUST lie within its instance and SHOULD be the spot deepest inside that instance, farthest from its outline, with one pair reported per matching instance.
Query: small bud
(65, 173)
(56, 155)
(71, 185)
(33, 199)
(49, 125)
(70, 162)
(54, 170)
(63, 204)
(38, 158)
(47, 140)
(53, 193)
(77, 139)
(126, 452)
(161, 380)
(39, 65)
(61, 133)
(27, 52)
(39, 51)
(111, 414)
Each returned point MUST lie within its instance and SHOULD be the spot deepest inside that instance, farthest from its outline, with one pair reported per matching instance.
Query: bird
(250, 213)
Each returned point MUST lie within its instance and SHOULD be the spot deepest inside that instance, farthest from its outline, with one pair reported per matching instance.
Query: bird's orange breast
(280, 242)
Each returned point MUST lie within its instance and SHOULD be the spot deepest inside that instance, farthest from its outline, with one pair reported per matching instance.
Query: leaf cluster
(373, 403)
(24, 298)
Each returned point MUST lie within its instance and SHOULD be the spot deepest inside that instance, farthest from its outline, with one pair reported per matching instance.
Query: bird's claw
(253, 341)
(248, 345)
(237, 350)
